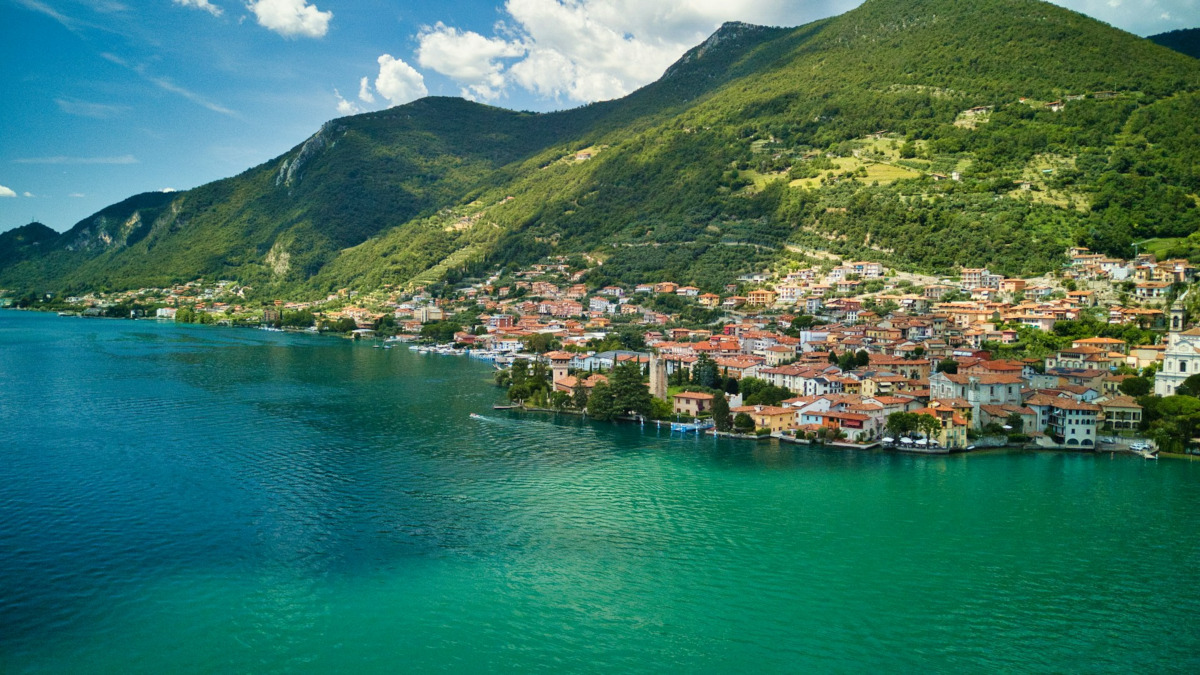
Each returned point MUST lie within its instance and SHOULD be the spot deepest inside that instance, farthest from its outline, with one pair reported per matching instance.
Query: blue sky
(107, 98)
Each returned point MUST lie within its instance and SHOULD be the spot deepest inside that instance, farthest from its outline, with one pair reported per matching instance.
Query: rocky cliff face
(291, 171)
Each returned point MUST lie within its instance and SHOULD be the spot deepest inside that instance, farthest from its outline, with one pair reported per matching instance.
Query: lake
(201, 499)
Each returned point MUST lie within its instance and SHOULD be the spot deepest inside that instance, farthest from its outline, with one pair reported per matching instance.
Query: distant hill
(929, 134)
(24, 241)
(1184, 41)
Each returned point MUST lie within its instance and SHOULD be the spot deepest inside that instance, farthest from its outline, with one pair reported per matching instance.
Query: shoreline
(868, 447)
(875, 446)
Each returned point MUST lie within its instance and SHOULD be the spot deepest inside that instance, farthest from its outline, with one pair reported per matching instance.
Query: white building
(1181, 359)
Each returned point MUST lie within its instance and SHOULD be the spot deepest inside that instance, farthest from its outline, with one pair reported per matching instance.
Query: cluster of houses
(909, 334)
(1067, 400)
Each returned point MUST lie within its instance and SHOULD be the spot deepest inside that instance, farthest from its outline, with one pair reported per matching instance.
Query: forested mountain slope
(927, 133)
(1184, 41)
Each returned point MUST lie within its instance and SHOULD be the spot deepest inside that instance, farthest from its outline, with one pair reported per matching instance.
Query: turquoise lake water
(198, 499)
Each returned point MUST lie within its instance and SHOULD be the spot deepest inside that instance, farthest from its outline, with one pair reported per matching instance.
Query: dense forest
(928, 134)
(1184, 41)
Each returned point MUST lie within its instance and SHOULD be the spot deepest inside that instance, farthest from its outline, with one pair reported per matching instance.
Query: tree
(559, 400)
(948, 366)
(580, 396)
(629, 394)
(720, 413)
(1136, 386)
(928, 425)
(600, 402)
(441, 331)
(1172, 420)
(660, 409)
(862, 359)
(342, 325)
(731, 385)
(847, 361)
(1189, 387)
(743, 423)
(901, 423)
(803, 322)
(704, 371)
(519, 372)
(539, 343)
(833, 357)
(761, 392)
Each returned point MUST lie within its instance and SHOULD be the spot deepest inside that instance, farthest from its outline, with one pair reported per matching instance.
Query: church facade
(1181, 359)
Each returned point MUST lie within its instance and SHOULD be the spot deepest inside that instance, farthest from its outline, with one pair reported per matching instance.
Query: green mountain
(925, 133)
(1184, 41)
(25, 241)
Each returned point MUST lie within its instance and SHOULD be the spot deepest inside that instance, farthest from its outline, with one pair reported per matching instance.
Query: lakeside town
(848, 351)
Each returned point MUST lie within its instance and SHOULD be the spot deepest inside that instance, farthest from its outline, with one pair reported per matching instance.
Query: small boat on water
(476, 416)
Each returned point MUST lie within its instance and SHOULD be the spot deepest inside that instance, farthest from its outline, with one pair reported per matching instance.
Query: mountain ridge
(756, 143)
(1185, 41)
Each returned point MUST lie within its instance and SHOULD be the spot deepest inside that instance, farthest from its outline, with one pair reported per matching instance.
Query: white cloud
(7, 192)
(364, 91)
(100, 111)
(591, 50)
(345, 107)
(60, 159)
(27, 194)
(167, 85)
(291, 18)
(167, 189)
(76, 195)
(399, 82)
(1143, 17)
(201, 4)
(468, 58)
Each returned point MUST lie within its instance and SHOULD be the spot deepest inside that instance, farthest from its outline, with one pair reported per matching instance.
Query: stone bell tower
(1177, 323)
(560, 362)
(658, 377)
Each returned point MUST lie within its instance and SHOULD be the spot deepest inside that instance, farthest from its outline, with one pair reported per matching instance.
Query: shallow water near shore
(199, 499)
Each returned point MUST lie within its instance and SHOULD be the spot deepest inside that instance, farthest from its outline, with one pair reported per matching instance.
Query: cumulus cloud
(345, 107)
(27, 194)
(201, 4)
(364, 91)
(291, 18)
(591, 50)
(468, 58)
(399, 82)
(7, 192)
